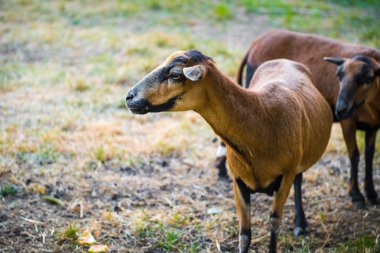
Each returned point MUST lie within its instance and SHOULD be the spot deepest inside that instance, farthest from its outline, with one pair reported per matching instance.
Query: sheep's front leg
(277, 210)
(349, 134)
(370, 143)
(220, 162)
(243, 209)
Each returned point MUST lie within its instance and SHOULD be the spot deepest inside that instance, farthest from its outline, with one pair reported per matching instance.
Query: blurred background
(147, 183)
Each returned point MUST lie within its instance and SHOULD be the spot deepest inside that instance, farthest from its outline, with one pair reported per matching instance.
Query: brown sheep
(274, 130)
(355, 102)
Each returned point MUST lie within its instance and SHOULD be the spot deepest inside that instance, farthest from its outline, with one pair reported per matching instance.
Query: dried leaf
(37, 188)
(86, 238)
(111, 217)
(98, 248)
(53, 200)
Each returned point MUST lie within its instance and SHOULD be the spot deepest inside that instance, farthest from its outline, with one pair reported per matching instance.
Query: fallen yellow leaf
(86, 238)
(99, 248)
(36, 188)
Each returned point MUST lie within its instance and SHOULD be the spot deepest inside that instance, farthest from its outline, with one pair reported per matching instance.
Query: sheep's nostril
(129, 97)
(341, 106)
(341, 109)
(131, 94)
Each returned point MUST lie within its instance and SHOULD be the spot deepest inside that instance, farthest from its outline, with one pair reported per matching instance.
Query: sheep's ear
(194, 73)
(336, 60)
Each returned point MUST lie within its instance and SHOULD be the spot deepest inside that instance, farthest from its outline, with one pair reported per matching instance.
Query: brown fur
(280, 126)
(310, 50)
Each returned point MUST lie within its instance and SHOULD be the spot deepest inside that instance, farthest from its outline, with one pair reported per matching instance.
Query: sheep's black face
(356, 77)
(166, 88)
(139, 99)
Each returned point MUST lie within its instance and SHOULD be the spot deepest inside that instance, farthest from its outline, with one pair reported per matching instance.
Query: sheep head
(175, 85)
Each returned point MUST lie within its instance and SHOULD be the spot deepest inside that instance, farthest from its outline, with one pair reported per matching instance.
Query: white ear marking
(194, 73)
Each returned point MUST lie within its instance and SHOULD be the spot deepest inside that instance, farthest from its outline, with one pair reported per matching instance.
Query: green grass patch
(172, 236)
(70, 235)
(71, 232)
(43, 155)
(7, 189)
(46, 155)
(352, 20)
(222, 11)
(100, 154)
(365, 243)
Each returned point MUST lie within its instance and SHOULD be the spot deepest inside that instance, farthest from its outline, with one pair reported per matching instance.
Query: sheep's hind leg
(300, 220)
(243, 209)
(220, 162)
(277, 210)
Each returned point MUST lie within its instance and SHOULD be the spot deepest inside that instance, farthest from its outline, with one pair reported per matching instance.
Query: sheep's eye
(340, 75)
(176, 76)
(368, 80)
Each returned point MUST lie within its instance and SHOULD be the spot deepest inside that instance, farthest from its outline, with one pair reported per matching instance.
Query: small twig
(43, 237)
(32, 221)
(26, 233)
(76, 203)
(325, 242)
(218, 246)
(260, 239)
(169, 202)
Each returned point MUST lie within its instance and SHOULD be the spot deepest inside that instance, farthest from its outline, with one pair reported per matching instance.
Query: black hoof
(359, 204)
(358, 200)
(299, 231)
(373, 199)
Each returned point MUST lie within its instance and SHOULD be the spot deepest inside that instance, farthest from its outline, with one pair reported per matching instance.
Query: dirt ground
(118, 199)
(141, 183)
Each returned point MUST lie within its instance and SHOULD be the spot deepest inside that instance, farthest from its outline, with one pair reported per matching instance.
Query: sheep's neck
(234, 114)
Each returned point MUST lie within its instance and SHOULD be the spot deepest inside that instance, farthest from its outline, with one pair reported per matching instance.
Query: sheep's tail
(243, 63)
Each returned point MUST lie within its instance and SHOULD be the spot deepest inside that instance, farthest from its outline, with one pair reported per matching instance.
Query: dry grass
(140, 183)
